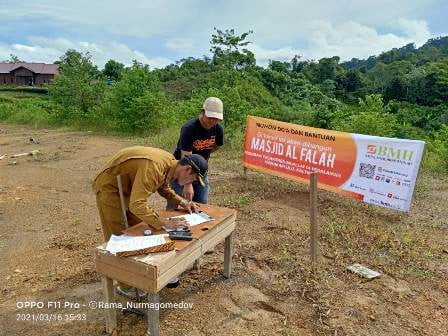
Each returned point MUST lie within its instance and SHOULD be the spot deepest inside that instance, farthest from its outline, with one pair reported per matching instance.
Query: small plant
(406, 240)
(285, 251)
(244, 199)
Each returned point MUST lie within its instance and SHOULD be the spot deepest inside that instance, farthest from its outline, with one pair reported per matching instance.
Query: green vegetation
(24, 89)
(400, 93)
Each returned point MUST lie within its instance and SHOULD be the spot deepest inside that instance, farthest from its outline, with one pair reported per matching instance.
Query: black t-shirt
(195, 138)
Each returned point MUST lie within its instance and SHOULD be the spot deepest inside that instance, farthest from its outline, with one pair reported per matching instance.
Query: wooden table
(152, 272)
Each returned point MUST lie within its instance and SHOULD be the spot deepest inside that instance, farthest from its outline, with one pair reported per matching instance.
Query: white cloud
(181, 45)
(263, 55)
(352, 39)
(138, 18)
(182, 28)
(347, 40)
(324, 39)
(279, 19)
(42, 49)
(417, 30)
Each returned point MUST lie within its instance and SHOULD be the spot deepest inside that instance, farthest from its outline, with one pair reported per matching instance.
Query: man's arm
(187, 191)
(219, 138)
(186, 140)
(168, 193)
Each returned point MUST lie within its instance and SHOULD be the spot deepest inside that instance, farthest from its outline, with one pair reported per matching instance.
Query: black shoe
(130, 293)
(173, 284)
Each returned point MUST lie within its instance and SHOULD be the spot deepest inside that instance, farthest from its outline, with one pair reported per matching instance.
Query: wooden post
(228, 253)
(111, 314)
(153, 314)
(245, 172)
(122, 204)
(313, 220)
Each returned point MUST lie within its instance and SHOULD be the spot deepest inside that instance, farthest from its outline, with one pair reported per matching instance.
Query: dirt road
(50, 228)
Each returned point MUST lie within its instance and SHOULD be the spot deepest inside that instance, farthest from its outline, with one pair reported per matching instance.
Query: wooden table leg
(228, 253)
(153, 314)
(109, 297)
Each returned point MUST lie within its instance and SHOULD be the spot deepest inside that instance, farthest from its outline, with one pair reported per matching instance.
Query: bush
(135, 104)
(438, 151)
(30, 111)
(370, 117)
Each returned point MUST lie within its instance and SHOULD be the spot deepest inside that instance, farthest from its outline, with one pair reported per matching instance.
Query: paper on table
(131, 243)
(193, 219)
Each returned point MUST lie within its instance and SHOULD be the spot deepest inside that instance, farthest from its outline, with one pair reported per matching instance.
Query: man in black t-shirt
(202, 135)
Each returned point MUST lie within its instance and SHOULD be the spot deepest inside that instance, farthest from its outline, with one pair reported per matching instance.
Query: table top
(198, 231)
(159, 268)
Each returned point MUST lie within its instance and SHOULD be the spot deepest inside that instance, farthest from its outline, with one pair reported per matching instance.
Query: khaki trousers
(112, 223)
(111, 219)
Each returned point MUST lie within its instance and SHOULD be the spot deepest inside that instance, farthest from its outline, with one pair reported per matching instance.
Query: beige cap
(213, 108)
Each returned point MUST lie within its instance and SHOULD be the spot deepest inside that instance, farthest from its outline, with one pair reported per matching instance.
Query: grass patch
(30, 111)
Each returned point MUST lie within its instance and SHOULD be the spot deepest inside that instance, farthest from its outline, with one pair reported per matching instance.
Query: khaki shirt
(143, 170)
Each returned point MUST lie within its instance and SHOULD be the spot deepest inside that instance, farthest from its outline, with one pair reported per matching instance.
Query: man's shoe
(130, 293)
(174, 283)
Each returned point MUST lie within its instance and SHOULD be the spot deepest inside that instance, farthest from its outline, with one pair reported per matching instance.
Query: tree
(350, 81)
(297, 65)
(79, 85)
(229, 50)
(325, 68)
(280, 66)
(13, 59)
(136, 103)
(396, 89)
(113, 70)
(437, 83)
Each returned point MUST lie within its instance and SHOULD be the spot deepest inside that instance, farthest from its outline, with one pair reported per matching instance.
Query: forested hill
(430, 51)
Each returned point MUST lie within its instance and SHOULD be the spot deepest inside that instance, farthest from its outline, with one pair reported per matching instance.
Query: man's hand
(175, 223)
(189, 206)
(188, 192)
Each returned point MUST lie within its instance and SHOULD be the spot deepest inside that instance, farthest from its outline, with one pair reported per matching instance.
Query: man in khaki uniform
(143, 171)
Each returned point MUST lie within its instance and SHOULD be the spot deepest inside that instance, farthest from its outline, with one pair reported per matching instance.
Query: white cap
(213, 108)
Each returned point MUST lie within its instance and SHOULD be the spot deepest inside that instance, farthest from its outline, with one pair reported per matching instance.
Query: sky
(161, 32)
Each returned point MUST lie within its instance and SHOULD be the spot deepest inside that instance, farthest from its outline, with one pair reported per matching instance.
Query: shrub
(370, 117)
(438, 150)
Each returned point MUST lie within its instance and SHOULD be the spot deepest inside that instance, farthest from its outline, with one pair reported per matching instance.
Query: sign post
(313, 220)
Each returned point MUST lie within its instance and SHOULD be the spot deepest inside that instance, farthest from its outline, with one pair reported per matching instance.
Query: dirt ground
(50, 228)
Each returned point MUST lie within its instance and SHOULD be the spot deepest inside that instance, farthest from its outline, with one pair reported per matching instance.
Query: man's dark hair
(184, 161)
(196, 162)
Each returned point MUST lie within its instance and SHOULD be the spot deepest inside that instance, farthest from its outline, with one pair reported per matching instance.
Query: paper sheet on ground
(131, 243)
(193, 219)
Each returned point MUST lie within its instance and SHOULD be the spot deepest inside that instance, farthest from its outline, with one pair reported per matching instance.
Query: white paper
(193, 219)
(126, 243)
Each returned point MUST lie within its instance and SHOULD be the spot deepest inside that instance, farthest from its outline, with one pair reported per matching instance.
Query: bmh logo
(371, 149)
(390, 152)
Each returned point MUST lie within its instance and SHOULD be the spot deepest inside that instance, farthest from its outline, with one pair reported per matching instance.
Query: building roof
(37, 68)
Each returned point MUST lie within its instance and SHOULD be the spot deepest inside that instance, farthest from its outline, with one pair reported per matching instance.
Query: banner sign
(377, 170)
